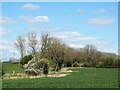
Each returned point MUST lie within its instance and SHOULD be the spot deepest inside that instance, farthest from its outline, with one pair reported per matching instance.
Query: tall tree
(90, 51)
(52, 48)
(45, 44)
(32, 42)
(56, 52)
(20, 45)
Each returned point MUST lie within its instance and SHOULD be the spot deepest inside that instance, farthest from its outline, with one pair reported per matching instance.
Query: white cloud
(7, 49)
(78, 40)
(76, 46)
(100, 11)
(1, 54)
(37, 19)
(2, 32)
(74, 39)
(80, 10)
(101, 21)
(6, 20)
(66, 35)
(110, 50)
(5, 45)
(30, 6)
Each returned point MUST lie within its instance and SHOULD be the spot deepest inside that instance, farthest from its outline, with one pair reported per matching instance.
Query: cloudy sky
(77, 24)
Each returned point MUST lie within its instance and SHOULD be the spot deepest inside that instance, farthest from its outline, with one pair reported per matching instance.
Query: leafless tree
(32, 42)
(53, 49)
(90, 50)
(20, 45)
(56, 52)
(45, 44)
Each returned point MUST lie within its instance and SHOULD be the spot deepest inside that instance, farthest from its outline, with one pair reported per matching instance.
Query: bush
(3, 72)
(68, 64)
(26, 59)
(32, 71)
(34, 67)
(40, 64)
(76, 64)
(118, 64)
(45, 69)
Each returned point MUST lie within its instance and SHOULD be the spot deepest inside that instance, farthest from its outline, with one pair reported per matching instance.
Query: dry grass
(62, 73)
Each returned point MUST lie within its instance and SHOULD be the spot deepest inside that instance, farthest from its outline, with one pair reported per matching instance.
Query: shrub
(37, 67)
(76, 64)
(40, 63)
(32, 71)
(3, 72)
(45, 69)
(118, 64)
(26, 59)
(68, 64)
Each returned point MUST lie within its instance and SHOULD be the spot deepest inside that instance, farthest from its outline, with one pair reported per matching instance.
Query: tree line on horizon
(54, 53)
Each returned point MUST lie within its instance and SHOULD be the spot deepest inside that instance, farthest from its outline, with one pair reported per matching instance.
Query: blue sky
(77, 24)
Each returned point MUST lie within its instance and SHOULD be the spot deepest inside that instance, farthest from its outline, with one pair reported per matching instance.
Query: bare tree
(56, 52)
(45, 44)
(32, 42)
(90, 49)
(53, 49)
(20, 45)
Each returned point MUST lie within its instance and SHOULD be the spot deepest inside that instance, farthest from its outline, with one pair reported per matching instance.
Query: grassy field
(79, 78)
(9, 68)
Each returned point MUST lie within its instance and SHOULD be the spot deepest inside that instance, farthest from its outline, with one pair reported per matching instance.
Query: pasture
(9, 68)
(79, 78)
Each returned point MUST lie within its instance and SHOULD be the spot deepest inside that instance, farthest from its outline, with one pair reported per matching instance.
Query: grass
(9, 68)
(79, 78)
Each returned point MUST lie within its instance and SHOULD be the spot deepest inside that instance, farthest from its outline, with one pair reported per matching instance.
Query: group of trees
(61, 55)
(20, 44)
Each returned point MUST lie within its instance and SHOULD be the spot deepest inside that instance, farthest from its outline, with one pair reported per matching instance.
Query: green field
(9, 68)
(79, 78)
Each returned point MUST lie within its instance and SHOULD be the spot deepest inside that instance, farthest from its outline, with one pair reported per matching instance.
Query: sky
(76, 23)
(60, 0)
